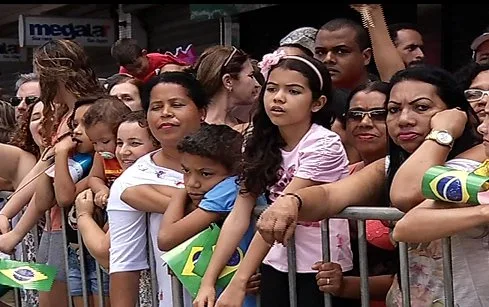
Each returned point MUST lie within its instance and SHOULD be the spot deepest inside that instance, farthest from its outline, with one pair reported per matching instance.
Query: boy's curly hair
(219, 143)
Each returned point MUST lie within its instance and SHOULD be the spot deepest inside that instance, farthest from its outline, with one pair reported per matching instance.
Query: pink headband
(272, 59)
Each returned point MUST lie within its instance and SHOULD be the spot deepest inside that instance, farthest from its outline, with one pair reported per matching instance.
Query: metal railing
(360, 214)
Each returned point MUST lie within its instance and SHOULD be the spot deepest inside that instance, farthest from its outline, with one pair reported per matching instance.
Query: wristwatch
(442, 137)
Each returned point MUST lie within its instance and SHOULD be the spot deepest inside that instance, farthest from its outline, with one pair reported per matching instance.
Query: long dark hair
(452, 96)
(262, 156)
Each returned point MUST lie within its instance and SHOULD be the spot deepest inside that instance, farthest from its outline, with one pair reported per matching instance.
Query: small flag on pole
(182, 258)
(26, 275)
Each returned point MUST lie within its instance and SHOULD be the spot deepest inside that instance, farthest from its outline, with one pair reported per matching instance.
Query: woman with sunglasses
(474, 79)
(228, 79)
(27, 92)
(365, 127)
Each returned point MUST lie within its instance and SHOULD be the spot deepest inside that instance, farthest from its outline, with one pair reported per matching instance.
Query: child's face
(133, 142)
(139, 67)
(200, 175)
(84, 145)
(102, 137)
(288, 98)
(129, 94)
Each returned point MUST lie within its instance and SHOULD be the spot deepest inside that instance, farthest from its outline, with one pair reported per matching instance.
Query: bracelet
(299, 199)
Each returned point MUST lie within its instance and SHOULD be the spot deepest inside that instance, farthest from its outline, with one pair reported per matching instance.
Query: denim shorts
(75, 277)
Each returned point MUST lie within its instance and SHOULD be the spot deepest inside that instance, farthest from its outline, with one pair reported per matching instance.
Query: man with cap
(299, 42)
(480, 48)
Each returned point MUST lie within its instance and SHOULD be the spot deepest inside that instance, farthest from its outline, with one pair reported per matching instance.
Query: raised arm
(95, 238)
(97, 181)
(387, 59)
(64, 186)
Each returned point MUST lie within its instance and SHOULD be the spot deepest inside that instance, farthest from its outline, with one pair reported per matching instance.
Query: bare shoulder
(476, 153)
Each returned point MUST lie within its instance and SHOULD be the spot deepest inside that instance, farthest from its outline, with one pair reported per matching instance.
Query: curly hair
(62, 62)
(22, 136)
(262, 155)
(108, 110)
(219, 143)
(140, 118)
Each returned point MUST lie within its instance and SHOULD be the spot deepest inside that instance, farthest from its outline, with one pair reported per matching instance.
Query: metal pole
(405, 286)
(83, 271)
(65, 249)
(176, 291)
(152, 264)
(362, 250)
(292, 268)
(100, 285)
(326, 254)
(447, 271)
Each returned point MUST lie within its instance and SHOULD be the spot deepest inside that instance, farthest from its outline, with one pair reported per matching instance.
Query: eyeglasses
(230, 57)
(474, 94)
(15, 101)
(357, 115)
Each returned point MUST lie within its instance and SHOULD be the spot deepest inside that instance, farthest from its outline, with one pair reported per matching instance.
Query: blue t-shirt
(221, 199)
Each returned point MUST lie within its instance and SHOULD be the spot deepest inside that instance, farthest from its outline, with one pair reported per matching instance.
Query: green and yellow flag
(182, 259)
(228, 271)
(450, 185)
(26, 275)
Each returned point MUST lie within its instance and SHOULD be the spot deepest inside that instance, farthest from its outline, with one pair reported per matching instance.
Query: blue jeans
(75, 277)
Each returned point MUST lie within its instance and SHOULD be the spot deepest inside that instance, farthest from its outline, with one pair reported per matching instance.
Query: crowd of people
(138, 164)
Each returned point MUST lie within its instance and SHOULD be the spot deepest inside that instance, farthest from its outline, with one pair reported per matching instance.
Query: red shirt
(156, 62)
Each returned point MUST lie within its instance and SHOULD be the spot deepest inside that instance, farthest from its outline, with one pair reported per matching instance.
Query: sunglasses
(376, 115)
(474, 94)
(15, 101)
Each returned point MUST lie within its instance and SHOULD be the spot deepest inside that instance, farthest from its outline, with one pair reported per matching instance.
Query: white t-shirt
(319, 157)
(128, 226)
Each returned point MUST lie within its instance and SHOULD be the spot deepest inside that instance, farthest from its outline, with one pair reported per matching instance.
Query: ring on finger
(328, 281)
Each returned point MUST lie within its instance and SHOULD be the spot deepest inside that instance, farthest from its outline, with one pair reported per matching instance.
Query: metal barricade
(360, 214)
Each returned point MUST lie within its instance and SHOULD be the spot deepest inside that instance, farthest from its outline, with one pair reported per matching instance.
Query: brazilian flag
(26, 275)
(182, 258)
(450, 185)
(228, 271)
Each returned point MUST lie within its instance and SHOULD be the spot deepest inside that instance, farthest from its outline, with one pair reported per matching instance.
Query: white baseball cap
(304, 37)
(479, 40)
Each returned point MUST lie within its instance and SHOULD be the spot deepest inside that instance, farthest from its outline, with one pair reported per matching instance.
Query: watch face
(444, 137)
